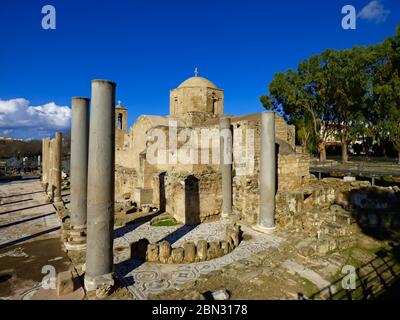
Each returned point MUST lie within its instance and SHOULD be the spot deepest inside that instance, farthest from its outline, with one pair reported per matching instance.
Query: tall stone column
(44, 162)
(266, 218)
(42, 178)
(226, 165)
(79, 172)
(57, 166)
(100, 192)
(50, 167)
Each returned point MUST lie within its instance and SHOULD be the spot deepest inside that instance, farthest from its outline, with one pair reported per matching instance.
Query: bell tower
(121, 117)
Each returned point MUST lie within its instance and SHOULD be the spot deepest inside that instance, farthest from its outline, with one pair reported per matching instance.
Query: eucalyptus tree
(386, 91)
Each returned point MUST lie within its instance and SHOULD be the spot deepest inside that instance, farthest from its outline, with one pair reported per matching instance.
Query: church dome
(198, 82)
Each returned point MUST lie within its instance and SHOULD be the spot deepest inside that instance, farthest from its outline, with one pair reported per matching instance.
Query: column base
(93, 283)
(71, 246)
(226, 214)
(233, 217)
(264, 229)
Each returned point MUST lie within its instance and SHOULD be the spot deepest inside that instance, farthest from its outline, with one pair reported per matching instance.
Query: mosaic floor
(143, 279)
(25, 216)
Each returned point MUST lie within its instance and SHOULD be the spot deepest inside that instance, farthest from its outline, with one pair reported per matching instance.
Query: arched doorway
(192, 201)
(163, 200)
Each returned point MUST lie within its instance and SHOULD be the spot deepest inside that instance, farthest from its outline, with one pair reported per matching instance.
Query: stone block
(233, 232)
(65, 283)
(214, 250)
(225, 247)
(164, 251)
(177, 255)
(152, 253)
(202, 247)
(190, 252)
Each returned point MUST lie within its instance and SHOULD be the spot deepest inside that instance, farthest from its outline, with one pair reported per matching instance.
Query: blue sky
(149, 47)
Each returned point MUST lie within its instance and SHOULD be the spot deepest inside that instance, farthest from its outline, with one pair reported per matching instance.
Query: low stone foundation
(202, 250)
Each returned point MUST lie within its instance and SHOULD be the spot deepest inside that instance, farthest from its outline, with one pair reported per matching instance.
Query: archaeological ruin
(193, 192)
(196, 203)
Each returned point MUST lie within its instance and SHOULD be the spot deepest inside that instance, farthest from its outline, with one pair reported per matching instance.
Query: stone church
(192, 192)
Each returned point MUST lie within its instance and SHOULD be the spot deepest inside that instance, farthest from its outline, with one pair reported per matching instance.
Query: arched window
(214, 104)
(119, 121)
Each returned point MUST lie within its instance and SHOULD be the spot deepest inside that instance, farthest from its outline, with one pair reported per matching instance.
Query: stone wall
(293, 178)
(293, 171)
(207, 100)
(193, 198)
(285, 131)
(126, 180)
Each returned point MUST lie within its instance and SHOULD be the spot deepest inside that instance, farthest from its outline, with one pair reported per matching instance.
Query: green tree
(385, 100)
(304, 96)
(352, 94)
(347, 71)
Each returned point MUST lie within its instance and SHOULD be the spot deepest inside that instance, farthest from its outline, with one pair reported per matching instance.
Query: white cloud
(19, 115)
(374, 11)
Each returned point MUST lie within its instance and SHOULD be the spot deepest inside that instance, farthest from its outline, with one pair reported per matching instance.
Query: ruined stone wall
(246, 201)
(126, 180)
(293, 178)
(284, 131)
(193, 204)
(123, 157)
(293, 171)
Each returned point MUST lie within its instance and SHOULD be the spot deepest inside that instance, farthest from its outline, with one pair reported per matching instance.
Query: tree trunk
(384, 150)
(398, 158)
(365, 147)
(322, 151)
(345, 155)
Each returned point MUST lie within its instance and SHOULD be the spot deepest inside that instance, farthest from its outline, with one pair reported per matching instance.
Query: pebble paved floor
(24, 212)
(29, 241)
(143, 279)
